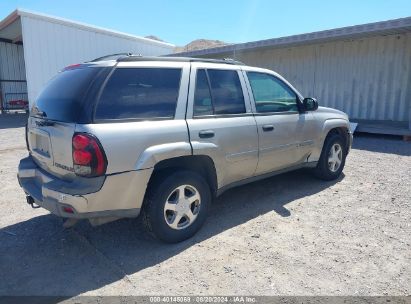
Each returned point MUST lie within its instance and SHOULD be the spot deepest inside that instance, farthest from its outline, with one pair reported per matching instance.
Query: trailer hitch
(31, 202)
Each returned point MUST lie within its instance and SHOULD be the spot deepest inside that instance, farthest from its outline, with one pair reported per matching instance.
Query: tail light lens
(89, 159)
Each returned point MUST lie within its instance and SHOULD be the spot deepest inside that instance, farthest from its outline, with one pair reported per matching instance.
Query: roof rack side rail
(117, 55)
(178, 59)
(233, 61)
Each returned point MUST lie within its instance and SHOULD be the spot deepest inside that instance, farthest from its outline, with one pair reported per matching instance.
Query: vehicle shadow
(16, 120)
(39, 257)
(381, 144)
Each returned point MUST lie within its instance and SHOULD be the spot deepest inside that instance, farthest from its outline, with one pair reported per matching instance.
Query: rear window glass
(140, 93)
(62, 98)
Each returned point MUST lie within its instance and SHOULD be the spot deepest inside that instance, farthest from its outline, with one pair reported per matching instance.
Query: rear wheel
(176, 206)
(332, 159)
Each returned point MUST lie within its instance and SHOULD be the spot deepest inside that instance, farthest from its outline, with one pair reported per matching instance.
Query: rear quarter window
(139, 93)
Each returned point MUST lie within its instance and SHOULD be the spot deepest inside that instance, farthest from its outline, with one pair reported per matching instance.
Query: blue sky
(181, 21)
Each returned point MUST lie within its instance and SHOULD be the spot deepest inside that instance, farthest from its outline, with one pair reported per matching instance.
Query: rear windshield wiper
(37, 112)
(42, 114)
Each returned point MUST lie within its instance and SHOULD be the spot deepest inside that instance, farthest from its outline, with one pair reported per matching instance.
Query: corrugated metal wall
(12, 68)
(49, 47)
(367, 78)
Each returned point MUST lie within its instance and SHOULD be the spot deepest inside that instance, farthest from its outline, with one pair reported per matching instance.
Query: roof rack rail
(117, 55)
(179, 59)
(228, 59)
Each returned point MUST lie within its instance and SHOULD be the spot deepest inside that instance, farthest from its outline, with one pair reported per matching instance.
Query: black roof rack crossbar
(178, 59)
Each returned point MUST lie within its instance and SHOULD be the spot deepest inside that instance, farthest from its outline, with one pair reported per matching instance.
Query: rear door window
(202, 95)
(218, 92)
(63, 97)
(140, 93)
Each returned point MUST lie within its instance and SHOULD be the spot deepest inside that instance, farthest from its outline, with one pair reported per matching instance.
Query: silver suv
(110, 138)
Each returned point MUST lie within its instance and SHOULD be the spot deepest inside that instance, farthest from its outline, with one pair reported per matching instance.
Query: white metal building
(34, 47)
(364, 70)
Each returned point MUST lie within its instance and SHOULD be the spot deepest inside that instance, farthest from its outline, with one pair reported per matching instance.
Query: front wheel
(176, 206)
(332, 159)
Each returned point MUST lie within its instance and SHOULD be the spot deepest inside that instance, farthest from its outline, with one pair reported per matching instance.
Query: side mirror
(310, 104)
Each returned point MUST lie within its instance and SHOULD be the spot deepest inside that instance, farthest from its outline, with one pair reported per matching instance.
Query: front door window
(271, 94)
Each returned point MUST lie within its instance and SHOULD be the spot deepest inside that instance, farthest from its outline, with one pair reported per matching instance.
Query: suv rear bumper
(118, 195)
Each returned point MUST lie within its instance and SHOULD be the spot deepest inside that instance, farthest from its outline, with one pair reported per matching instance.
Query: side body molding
(154, 154)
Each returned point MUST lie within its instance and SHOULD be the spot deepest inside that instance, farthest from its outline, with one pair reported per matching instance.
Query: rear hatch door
(64, 102)
(50, 146)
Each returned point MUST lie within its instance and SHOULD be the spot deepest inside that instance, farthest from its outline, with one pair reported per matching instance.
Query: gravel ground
(287, 235)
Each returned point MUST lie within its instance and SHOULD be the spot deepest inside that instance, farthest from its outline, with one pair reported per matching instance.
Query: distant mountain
(199, 44)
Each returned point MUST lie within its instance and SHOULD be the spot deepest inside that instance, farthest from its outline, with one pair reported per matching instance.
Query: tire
(163, 206)
(325, 169)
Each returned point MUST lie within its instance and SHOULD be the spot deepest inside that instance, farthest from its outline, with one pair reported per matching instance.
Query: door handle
(267, 128)
(206, 134)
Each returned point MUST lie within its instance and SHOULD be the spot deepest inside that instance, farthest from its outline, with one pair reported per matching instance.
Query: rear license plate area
(40, 142)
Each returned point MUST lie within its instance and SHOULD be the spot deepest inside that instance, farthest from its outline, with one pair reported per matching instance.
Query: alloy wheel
(335, 157)
(182, 207)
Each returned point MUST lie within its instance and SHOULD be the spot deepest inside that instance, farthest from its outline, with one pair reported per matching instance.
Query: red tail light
(89, 159)
(68, 210)
(81, 157)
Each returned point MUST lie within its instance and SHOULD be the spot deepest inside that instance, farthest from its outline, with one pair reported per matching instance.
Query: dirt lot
(287, 235)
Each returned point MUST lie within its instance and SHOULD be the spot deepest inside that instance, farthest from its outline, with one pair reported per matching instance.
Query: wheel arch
(339, 127)
(201, 164)
(343, 132)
